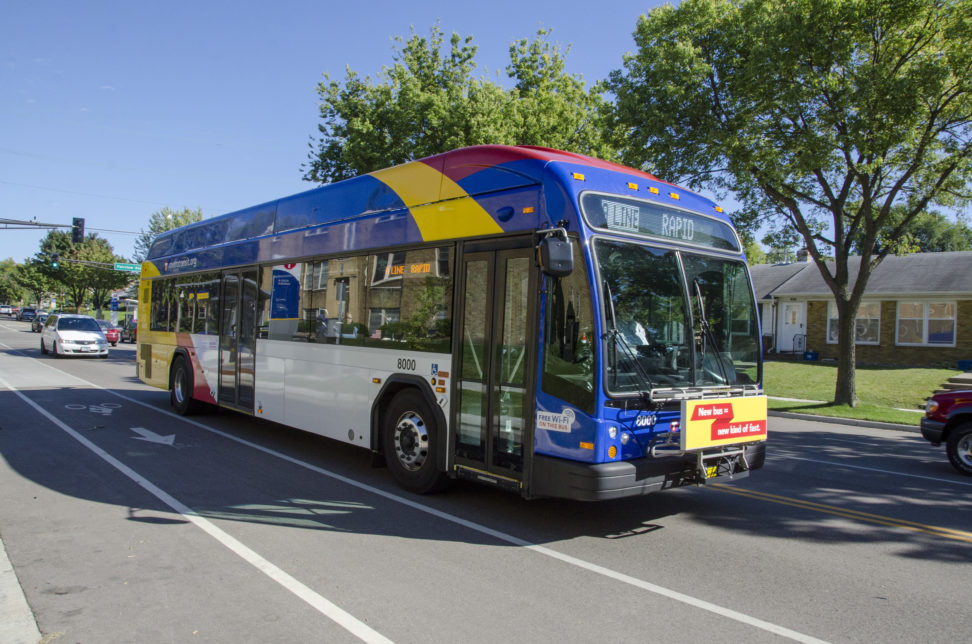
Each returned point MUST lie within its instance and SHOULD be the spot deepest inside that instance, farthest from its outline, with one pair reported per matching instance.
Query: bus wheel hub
(411, 441)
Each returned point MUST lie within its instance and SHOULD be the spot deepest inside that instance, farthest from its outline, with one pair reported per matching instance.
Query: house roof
(917, 274)
(769, 277)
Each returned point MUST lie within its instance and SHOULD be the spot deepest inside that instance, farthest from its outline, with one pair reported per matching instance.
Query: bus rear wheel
(180, 388)
(410, 442)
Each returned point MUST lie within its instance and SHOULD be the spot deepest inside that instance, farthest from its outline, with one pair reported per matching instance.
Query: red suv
(948, 419)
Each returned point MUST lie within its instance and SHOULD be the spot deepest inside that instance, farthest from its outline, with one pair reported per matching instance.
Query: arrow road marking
(152, 437)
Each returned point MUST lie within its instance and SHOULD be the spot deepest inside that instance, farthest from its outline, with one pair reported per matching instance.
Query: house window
(867, 329)
(926, 324)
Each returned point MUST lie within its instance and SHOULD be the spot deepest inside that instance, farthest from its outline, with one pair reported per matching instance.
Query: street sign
(134, 268)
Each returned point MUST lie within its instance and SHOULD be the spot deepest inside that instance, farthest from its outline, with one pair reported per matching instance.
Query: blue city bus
(537, 320)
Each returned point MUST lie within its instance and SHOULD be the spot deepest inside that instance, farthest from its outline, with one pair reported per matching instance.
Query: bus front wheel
(180, 388)
(410, 442)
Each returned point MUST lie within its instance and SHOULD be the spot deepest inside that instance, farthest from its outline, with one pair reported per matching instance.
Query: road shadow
(254, 471)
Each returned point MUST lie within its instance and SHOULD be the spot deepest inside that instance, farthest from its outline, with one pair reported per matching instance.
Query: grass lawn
(880, 390)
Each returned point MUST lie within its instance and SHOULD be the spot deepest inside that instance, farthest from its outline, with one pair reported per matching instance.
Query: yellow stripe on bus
(440, 207)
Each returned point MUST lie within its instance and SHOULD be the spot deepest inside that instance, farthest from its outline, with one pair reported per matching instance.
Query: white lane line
(317, 601)
(869, 469)
(501, 536)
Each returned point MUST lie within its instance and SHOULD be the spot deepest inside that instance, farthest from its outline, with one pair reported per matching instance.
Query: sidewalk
(843, 421)
(17, 625)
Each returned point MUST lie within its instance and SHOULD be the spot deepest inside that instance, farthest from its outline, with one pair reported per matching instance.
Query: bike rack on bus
(725, 459)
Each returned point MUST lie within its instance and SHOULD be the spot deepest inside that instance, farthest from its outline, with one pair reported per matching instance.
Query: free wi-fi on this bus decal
(723, 421)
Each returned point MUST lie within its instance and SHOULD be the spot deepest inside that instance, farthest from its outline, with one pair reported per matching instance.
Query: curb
(17, 625)
(847, 421)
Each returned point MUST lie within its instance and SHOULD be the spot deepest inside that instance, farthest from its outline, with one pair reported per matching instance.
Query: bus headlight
(613, 432)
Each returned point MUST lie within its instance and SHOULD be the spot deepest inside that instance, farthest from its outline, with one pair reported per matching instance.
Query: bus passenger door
(497, 363)
(237, 339)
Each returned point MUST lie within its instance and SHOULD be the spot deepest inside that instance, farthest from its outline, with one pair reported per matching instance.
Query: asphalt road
(126, 523)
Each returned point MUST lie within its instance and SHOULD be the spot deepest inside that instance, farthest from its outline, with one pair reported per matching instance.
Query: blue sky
(112, 110)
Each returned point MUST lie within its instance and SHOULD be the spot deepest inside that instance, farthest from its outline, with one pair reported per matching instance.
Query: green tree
(928, 232)
(825, 113)
(69, 277)
(754, 252)
(428, 102)
(102, 280)
(159, 222)
(32, 279)
(84, 269)
(783, 244)
(10, 291)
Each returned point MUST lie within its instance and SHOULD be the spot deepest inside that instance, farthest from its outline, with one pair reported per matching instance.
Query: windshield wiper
(618, 340)
(708, 336)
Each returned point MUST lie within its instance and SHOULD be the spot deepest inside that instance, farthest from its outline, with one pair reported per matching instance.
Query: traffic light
(54, 259)
(77, 230)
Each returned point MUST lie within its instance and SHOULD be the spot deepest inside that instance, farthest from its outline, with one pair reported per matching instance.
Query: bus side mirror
(556, 255)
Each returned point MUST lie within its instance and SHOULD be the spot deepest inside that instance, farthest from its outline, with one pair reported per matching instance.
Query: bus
(536, 320)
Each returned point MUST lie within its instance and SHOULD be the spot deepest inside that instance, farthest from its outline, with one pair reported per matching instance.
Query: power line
(78, 192)
(96, 195)
(108, 230)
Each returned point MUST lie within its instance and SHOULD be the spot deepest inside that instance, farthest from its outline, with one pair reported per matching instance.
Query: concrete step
(956, 386)
(964, 378)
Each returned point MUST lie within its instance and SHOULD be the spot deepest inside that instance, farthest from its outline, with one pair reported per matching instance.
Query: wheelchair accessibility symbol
(104, 409)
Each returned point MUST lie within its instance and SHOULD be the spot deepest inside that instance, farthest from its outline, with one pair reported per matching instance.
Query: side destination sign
(723, 421)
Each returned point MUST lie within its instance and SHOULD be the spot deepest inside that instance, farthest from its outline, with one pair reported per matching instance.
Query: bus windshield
(675, 319)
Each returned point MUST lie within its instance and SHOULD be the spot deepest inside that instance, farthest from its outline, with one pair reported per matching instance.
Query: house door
(792, 336)
(497, 364)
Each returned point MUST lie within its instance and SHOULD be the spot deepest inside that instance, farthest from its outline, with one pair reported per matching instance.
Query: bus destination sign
(655, 220)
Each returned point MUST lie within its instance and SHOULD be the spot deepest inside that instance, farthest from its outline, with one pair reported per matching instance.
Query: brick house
(916, 311)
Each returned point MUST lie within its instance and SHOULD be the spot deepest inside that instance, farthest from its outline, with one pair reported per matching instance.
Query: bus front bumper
(555, 477)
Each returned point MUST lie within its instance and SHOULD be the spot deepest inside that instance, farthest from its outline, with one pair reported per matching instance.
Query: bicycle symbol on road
(104, 409)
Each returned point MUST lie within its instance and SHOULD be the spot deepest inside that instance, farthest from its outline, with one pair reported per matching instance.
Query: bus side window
(568, 358)
(161, 304)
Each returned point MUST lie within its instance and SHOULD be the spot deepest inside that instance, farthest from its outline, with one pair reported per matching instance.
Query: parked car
(111, 332)
(6, 309)
(129, 331)
(69, 334)
(37, 324)
(27, 313)
(948, 419)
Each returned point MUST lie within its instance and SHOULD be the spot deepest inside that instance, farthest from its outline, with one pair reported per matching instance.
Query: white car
(66, 334)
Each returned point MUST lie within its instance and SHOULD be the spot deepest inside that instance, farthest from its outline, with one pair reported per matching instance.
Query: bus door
(493, 424)
(237, 339)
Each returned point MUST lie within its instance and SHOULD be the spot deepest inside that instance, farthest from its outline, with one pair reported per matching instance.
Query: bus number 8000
(406, 364)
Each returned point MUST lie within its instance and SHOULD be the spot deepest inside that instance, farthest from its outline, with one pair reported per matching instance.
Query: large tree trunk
(846, 390)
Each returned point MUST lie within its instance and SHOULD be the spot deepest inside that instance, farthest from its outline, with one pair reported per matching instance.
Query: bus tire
(959, 448)
(180, 388)
(409, 438)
